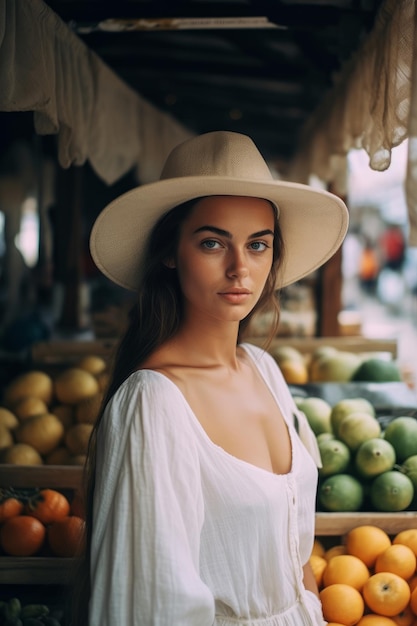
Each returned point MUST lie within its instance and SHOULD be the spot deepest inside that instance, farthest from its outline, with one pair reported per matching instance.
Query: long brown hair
(154, 319)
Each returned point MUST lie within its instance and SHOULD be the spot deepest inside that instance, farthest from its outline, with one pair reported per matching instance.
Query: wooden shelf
(341, 523)
(46, 476)
(307, 345)
(36, 570)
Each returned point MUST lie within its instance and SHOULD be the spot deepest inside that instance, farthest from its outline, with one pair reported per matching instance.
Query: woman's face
(224, 256)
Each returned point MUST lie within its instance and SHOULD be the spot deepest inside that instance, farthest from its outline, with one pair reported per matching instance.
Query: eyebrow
(226, 233)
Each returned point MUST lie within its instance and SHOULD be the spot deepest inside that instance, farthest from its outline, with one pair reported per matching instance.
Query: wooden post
(68, 245)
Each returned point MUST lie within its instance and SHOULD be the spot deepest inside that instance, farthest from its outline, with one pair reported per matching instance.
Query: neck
(210, 344)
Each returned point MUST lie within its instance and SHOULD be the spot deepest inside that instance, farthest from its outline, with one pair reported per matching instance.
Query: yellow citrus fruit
(347, 569)
(367, 542)
(398, 559)
(318, 565)
(372, 619)
(295, 372)
(318, 547)
(408, 538)
(386, 593)
(334, 551)
(342, 603)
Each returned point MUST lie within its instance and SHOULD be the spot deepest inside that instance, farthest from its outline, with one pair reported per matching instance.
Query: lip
(235, 291)
(235, 296)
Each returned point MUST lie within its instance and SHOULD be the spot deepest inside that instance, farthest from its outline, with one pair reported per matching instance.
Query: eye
(258, 246)
(210, 244)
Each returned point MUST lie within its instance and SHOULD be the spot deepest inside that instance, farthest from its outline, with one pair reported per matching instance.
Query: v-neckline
(196, 422)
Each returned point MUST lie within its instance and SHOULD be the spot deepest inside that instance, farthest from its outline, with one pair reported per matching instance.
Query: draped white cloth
(373, 105)
(46, 68)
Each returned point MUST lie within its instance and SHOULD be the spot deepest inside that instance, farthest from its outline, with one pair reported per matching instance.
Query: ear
(170, 263)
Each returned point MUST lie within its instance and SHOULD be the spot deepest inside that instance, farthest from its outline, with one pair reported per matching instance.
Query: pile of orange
(368, 580)
(48, 523)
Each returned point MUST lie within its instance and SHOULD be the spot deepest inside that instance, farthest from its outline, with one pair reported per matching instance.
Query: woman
(201, 492)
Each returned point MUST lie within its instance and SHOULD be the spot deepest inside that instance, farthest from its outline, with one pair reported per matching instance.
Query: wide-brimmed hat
(221, 163)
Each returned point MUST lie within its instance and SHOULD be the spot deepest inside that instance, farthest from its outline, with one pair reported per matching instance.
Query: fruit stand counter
(52, 570)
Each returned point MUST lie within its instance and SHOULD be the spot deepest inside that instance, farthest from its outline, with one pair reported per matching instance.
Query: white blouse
(185, 534)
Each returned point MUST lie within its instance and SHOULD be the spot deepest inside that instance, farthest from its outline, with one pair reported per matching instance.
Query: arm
(309, 580)
(145, 554)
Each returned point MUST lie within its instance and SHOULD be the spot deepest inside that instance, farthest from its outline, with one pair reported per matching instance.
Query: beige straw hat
(313, 222)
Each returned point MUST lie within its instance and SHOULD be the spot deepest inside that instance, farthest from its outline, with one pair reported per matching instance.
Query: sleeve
(148, 514)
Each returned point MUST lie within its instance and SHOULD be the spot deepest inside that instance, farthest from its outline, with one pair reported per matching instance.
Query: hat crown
(220, 153)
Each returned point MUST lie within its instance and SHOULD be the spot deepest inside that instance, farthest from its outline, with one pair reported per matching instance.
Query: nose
(237, 266)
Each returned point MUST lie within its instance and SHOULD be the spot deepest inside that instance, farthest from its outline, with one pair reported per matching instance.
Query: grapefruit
(374, 456)
(335, 457)
(341, 492)
(358, 427)
(402, 435)
(391, 491)
(345, 407)
(338, 367)
(317, 412)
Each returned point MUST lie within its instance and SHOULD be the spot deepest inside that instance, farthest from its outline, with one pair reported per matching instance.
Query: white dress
(186, 534)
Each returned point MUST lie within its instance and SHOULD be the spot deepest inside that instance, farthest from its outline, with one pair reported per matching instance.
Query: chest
(242, 417)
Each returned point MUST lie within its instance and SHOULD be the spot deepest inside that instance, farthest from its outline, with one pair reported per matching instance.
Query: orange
(318, 565)
(48, 506)
(10, 507)
(347, 569)
(407, 538)
(22, 535)
(413, 601)
(334, 551)
(367, 542)
(318, 547)
(66, 536)
(371, 619)
(405, 618)
(412, 583)
(398, 559)
(342, 603)
(386, 593)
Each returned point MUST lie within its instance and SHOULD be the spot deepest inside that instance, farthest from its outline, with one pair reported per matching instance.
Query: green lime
(402, 435)
(391, 491)
(341, 492)
(335, 457)
(377, 370)
(374, 456)
(409, 468)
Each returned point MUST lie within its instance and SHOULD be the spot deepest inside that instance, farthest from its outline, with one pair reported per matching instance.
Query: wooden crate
(39, 570)
(306, 345)
(67, 352)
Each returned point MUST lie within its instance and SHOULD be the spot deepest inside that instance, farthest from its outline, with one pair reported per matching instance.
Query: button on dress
(186, 534)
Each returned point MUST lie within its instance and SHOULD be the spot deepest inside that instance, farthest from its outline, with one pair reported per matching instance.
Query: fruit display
(369, 578)
(42, 522)
(366, 465)
(47, 419)
(329, 364)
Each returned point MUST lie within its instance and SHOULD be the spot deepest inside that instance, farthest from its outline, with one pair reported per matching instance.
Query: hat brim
(313, 222)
